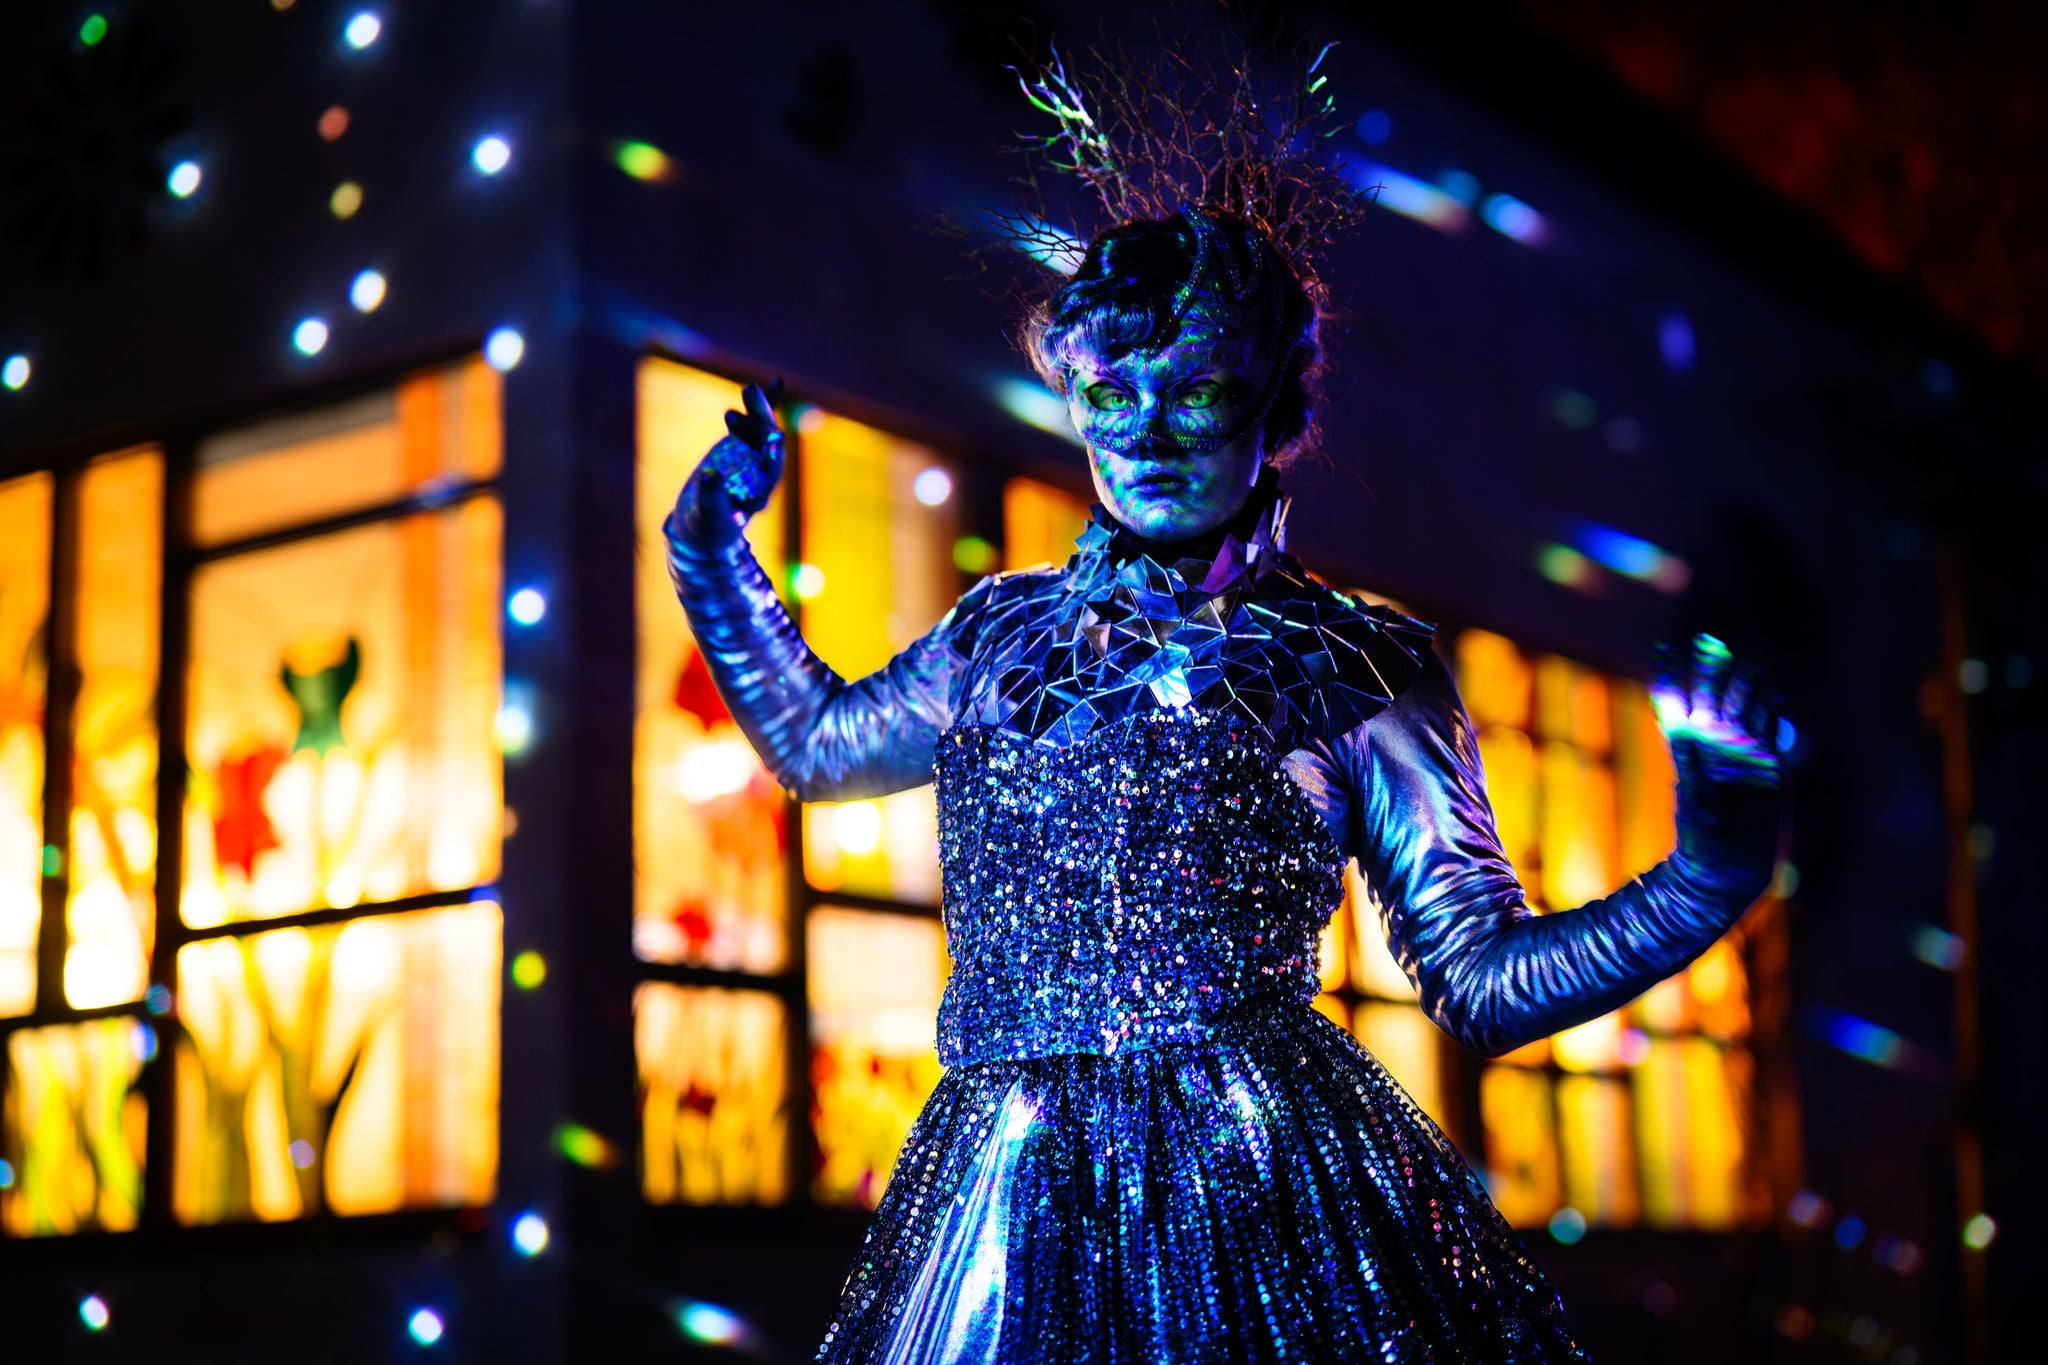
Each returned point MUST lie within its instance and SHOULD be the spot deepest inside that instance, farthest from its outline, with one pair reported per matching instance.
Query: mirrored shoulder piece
(1236, 628)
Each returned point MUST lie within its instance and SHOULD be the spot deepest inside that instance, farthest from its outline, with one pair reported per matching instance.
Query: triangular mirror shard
(1058, 654)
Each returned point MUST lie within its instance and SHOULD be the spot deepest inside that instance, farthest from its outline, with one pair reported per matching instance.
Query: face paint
(1175, 436)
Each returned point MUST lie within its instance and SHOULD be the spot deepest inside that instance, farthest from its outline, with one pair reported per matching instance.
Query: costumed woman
(1152, 766)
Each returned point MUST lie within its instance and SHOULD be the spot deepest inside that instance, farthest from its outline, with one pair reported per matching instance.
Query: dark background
(1841, 200)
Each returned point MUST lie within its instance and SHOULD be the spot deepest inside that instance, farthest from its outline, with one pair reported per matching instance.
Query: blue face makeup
(1175, 436)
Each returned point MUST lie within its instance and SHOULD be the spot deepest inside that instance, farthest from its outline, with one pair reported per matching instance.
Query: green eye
(1107, 397)
(1206, 394)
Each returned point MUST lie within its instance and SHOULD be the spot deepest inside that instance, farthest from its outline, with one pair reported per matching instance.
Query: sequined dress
(1151, 768)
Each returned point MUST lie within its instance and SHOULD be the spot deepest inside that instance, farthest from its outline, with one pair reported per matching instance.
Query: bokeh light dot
(6, 1174)
(527, 606)
(14, 371)
(643, 161)
(92, 1311)
(366, 291)
(530, 1234)
(92, 30)
(710, 1324)
(529, 970)
(184, 179)
(807, 581)
(504, 348)
(425, 1326)
(334, 122)
(1375, 126)
(309, 336)
(1979, 1232)
(932, 486)
(346, 199)
(301, 1153)
(362, 30)
(491, 154)
(1567, 1225)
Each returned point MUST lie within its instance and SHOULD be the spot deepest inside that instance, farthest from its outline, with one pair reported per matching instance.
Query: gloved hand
(1724, 731)
(735, 480)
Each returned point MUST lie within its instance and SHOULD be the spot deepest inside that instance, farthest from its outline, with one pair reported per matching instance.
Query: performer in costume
(1152, 765)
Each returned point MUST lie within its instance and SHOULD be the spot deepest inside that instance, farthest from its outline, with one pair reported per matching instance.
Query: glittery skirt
(1267, 1193)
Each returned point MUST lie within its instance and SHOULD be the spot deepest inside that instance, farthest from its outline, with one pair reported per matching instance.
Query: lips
(1162, 482)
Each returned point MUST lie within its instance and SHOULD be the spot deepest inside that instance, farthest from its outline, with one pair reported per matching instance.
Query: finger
(749, 428)
(1710, 664)
(1667, 692)
(759, 405)
(1741, 686)
(775, 394)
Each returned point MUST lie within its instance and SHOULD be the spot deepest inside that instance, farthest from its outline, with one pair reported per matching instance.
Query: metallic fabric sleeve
(824, 738)
(1489, 970)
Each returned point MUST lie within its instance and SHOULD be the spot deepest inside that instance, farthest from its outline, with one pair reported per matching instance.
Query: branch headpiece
(1152, 140)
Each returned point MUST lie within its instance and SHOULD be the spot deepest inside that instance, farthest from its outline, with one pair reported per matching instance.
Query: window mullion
(173, 647)
(60, 641)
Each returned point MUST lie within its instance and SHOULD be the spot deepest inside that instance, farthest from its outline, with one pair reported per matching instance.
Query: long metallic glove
(1496, 975)
(824, 738)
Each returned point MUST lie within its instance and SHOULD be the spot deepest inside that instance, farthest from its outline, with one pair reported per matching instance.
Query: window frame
(178, 444)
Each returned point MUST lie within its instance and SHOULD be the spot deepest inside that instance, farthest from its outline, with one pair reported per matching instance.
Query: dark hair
(1131, 291)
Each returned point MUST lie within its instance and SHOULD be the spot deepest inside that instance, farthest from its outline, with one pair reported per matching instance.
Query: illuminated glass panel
(1521, 1143)
(1408, 1045)
(875, 982)
(879, 574)
(1040, 524)
(1643, 1114)
(73, 1127)
(1596, 1144)
(112, 910)
(343, 694)
(350, 1068)
(437, 427)
(714, 1117)
(24, 607)
(710, 842)
(886, 847)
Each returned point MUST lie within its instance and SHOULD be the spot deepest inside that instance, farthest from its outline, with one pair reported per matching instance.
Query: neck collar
(1241, 551)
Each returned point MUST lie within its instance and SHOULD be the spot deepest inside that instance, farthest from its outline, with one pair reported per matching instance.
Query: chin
(1156, 522)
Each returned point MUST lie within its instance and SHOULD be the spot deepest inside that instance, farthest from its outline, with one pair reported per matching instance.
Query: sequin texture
(1265, 1194)
(1127, 890)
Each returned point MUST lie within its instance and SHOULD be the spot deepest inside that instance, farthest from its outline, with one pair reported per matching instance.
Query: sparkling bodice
(1134, 888)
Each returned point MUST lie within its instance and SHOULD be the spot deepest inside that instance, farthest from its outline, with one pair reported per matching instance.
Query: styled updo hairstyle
(1139, 280)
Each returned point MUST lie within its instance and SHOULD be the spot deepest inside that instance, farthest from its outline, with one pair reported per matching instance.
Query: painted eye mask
(1198, 417)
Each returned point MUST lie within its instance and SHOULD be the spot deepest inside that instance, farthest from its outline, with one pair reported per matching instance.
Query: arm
(824, 738)
(1489, 970)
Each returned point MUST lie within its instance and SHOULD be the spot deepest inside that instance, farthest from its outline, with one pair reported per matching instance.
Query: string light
(14, 372)
(366, 291)
(362, 30)
(491, 154)
(504, 348)
(309, 336)
(184, 179)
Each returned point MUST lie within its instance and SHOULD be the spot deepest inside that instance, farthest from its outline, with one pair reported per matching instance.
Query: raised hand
(1722, 722)
(734, 480)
